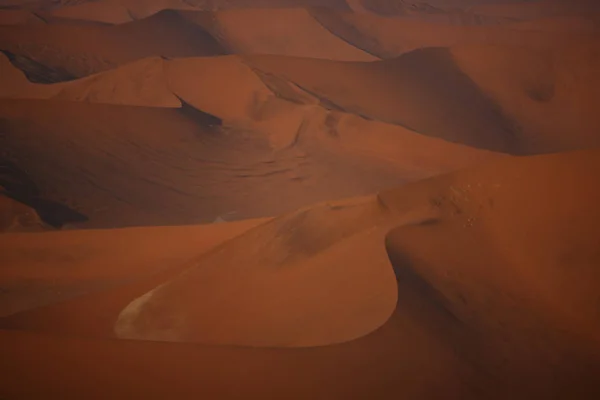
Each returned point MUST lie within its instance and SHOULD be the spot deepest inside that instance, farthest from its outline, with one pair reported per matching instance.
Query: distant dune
(140, 83)
(120, 11)
(85, 49)
(527, 10)
(292, 32)
(389, 37)
(588, 23)
(477, 317)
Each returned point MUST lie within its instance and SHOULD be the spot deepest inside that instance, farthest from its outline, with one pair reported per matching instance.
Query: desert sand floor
(342, 199)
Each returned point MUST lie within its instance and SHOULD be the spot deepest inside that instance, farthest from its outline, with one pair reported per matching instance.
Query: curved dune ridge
(478, 317)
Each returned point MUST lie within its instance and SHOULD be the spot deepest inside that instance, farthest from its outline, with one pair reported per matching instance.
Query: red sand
(83, 49)
(477, 318)
(174, 169)
(478, 280)
(44, 268)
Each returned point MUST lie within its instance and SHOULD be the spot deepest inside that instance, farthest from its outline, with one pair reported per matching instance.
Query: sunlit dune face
(340, 199)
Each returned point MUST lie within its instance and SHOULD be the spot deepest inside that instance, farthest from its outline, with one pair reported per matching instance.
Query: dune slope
(479, 317)
(292, 32)
(179, 166)
(502, 98)
(389, 37)
(510, 99)
(16, 216)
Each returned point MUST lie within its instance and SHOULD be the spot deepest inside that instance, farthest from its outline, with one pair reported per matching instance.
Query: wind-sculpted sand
(477, 317)
(299, 199)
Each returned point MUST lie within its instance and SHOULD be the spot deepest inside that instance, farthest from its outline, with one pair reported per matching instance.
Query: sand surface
(341, 199)
(480, 309)
(66, 47)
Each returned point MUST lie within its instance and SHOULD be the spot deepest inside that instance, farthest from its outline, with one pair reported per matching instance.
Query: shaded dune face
(24, 204)
(491, 293)
(501, 98)
(290, 32)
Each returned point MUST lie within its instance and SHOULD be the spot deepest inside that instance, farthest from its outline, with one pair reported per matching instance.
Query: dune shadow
(198, 116)
(20, 187)
(410, 279)
(37, 72)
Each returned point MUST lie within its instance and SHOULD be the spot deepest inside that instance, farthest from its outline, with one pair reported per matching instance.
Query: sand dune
(388, 37)
(381, 217)
(479, 317)
(120, 11)
(423, 11)
(177, 166)
(240, 96)
(291, 32)
(14, 82)
(422, 91)
(140, 83)
(504, 98)
(549, 94)
(85, 49)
